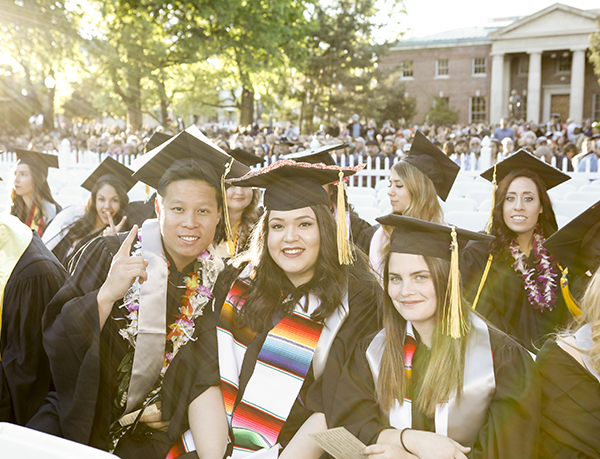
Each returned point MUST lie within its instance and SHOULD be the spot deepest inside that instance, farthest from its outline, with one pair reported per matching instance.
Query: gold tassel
(228, 231)
(455, 324)
(345, 250)
(483, 279)
(488, 228)
(572, 303)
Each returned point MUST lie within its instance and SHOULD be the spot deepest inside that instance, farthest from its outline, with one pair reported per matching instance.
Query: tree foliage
(441, 112)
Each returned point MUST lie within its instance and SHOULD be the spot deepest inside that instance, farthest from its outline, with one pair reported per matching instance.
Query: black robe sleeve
(512, 414)
(570, 406)
(361, 232)
(25, 376)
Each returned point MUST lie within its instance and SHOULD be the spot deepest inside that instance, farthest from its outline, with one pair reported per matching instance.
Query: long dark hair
(86, 224)
(445, 372)
(270, 284)
(546, 220)
(41, 193)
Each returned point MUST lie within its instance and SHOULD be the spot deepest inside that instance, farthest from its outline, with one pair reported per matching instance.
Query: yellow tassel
(483, 279)
(488, 228)
(228, 231)
(455, 324)
(572, 303)
(345, 250)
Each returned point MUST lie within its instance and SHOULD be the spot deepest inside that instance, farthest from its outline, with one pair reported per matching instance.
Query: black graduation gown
(64, 254)
(84, 359)
(361, 232)
(570, 406)
(139, 211)
(512, 424)
(503, 300)
(25, 377)
(361, 321)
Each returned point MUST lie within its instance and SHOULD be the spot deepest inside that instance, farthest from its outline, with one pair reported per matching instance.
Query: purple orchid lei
(540, 281)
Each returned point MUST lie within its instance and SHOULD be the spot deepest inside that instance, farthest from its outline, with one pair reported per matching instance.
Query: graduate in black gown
(514, 282)
(398, 392)
(360, 230)
(29, 277)
(568, 365)
(282, 308)
(109, 184)
(114, 331)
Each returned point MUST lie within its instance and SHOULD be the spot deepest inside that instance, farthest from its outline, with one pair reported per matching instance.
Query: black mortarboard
(420, 237)
(567, 243)
(434, 163)
(190, 143)
(290, 185)
(41, 161)
(109, 169)
(249, 159)
(157, 139)
(550, 175)
(317, 155)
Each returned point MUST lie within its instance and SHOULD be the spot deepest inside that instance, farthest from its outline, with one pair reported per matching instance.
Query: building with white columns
(542, 57)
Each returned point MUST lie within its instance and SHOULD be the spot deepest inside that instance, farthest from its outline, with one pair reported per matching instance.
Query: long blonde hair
(445, 372)
(424, 203)
(590, 314)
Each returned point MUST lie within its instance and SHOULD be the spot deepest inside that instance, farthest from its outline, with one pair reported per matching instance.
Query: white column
(534, 86)
(496, 101)
(577, 84)
(506, 89)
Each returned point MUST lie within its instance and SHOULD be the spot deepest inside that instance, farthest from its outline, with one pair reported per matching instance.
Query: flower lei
(197, 295)
(541, 290)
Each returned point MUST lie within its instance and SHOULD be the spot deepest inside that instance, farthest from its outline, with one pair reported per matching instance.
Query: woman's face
(107, 203)
(238, 198)
(522, 206)
(411, 288)
(23, 181)
(399, 195)
(294, 241)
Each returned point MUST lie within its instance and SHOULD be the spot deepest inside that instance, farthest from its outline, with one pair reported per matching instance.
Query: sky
(425, 17)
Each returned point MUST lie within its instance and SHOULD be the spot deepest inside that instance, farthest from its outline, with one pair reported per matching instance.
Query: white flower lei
(182, 330)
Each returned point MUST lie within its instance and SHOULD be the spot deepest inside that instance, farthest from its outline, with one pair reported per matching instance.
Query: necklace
(539, 281)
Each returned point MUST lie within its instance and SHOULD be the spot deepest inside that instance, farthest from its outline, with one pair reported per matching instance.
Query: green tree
(441, 112)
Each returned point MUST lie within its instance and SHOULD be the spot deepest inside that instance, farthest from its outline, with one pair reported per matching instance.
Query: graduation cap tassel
(345, 252)
(572, 304)
(455, 324)
(228, 230)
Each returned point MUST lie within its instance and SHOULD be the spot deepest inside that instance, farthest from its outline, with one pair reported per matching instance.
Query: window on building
(406, 69)
(524, 65)
(441, 68)
(478, 111)
(564, 63)
(479, 67)
(596, 107)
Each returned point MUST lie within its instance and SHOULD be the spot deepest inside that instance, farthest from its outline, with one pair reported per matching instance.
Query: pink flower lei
(539, 281)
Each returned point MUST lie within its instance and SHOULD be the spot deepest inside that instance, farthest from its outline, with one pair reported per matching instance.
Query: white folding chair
(569, 209)
(459, 204)
(474, 221)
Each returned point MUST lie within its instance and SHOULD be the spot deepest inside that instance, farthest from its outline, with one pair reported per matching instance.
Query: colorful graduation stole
(458, 418)
(31, 218)
(15, 237)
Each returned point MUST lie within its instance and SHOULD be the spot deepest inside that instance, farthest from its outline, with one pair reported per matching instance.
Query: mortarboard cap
(41, 161)
(550, 175)
(109, 169)
(434, 163)
(190, 143)
(156, 139)
(290, 185)
(419, 237)
(244, 157)
(317, 155)
(568, 244)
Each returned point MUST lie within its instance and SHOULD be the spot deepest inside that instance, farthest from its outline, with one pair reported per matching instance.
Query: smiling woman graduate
(294, 298)
(114, 332)
(514, 282)
(438, 380)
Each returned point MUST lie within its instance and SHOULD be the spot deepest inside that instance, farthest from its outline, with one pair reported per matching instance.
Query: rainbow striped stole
(281, 368)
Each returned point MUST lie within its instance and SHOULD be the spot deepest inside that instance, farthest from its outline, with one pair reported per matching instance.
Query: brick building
(542, 57)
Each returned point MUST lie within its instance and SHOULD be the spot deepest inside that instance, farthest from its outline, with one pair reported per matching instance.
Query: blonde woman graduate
(296, 297)
(416, 181)
(514, 281)
(438, 380)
